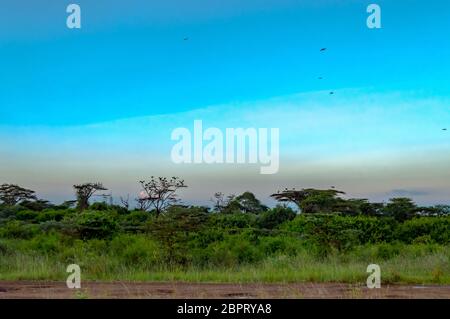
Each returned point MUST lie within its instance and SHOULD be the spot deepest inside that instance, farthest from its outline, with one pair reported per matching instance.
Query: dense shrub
(27, 215)
(51, 215)
(232, 221)
(136, 249)
(99, 206)
(233, 250)
(184, 236)
(135, 218)
(46, 243)
(425, 229)
(173, 229)
(18, 229)
(280, 245)
(55, 226)
(387, 251)
(343, 231)
(9, 212)
(275, 217)
(35, 205)
(207, 236)
(94, 224)
(4, 248)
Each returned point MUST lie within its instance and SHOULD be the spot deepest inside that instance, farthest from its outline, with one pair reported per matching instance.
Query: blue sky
(122, 82)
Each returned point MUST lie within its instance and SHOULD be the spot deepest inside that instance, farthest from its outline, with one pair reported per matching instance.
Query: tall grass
(139, 258)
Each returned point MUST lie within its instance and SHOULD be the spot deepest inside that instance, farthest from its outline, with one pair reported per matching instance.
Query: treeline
(240, 227)
(159, 194)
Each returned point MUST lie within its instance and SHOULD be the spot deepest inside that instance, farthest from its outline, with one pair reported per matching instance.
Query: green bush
(343, 232)
(10, 212)
(207, 236)
(51, 215)
(279, 245)
(46, 243)
(99, 206)
(388, 251)
(18, 229)
(26, 215)
(136, 218)
(94, 224)
(190, 236)
(275, 217)
(232, 221)
(54, 226)
(232, 251)
(4, 248)
(433, 229)
(137, 250)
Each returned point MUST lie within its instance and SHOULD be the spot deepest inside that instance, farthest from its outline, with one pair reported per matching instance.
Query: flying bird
(320, 78)
(331, 93)
(444, 129)
(186, 38)
(323, 49)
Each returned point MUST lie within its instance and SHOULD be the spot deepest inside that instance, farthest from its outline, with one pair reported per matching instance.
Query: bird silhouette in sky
(186, 38)
(444, 129)
(331, 93)
(323, 49)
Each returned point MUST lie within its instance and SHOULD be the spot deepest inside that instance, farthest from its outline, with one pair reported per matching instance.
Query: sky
(99, 103)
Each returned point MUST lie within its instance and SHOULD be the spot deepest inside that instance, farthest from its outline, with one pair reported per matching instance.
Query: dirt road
(57, 290)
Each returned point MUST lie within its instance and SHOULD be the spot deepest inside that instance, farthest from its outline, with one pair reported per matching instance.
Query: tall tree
(248, 203)
(401, 208)
(160, 193)
(11, 194)
(173, 228)
(310, 200)
(84, 192)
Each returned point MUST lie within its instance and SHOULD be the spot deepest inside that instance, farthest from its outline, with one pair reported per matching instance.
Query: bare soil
(99, 290)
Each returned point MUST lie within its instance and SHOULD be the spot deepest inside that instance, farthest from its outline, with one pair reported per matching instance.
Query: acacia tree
(173, 227)
(160, 193)
(248, 203)
(310, 200)
(11, 194)
(84, 192)
(401, 208)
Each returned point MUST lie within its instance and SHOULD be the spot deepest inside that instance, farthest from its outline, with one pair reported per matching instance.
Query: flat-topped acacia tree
(160, 193)
(310, 200)
(84, 192)
(11, 194)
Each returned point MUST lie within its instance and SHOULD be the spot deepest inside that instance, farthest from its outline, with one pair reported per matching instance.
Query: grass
(406, 264)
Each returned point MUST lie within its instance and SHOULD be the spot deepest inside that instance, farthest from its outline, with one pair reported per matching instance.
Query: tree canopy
(11, 194)
(84, 192)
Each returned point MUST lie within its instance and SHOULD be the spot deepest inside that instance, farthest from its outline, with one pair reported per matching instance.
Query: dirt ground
(98, 290)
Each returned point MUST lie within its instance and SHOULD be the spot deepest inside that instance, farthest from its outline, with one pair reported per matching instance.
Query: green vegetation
(238, 240)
